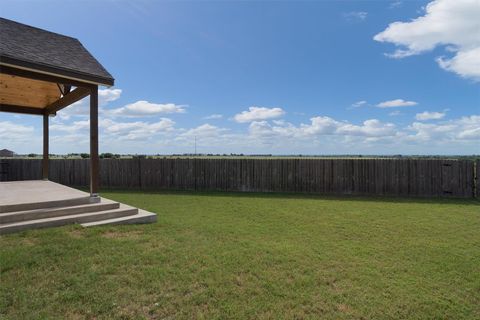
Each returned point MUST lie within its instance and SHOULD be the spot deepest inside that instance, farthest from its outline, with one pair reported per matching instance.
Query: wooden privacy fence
(397, 177)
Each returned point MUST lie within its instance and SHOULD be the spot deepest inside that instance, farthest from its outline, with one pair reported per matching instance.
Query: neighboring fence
(397, 177)
(477, 178)
(3, 170)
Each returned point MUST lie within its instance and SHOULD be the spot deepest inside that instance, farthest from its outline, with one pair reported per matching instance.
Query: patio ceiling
(18, 91)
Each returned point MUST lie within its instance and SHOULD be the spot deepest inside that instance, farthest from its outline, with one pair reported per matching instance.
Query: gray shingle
(48, 50)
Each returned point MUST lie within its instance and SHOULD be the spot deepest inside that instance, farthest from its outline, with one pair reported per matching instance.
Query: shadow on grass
(309, 196)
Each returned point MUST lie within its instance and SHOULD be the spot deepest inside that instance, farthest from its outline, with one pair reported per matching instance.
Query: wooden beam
(43, 77)
(20, 109)
(45, 148)
(71, 97)
(94, 162)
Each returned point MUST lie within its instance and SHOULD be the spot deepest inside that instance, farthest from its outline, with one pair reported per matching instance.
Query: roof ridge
(40, 29)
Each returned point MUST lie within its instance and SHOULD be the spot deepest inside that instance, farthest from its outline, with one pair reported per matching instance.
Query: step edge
(70, 219)
(121, 220)
(47, 204)
(56, 212)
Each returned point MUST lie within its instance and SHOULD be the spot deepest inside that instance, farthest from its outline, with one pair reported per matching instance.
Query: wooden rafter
(71, 97)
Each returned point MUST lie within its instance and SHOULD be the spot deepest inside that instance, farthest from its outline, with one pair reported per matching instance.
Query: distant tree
(84, 155)
(32, 155)
(139, 156)
(107, 155)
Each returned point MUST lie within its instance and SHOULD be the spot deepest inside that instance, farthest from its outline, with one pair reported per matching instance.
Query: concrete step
(123, 211)
(49, 204)
(141, 217)
(18, 216)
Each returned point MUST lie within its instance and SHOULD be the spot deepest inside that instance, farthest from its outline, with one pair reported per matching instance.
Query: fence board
(395, 177)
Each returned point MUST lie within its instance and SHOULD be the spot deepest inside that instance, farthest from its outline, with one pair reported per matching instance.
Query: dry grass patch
(122, 234)
(77, 233)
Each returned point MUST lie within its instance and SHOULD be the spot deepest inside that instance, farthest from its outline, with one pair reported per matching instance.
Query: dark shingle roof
(38, 49)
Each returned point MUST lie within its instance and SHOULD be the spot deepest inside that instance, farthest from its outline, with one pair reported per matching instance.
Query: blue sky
(317, 77)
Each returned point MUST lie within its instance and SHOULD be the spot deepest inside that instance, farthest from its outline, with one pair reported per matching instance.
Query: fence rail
(396, 177)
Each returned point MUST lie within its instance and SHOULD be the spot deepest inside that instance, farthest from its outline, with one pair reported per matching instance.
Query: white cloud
(264, 130)
(108, 95)
(82, 107)
(208, 138)
(395, 4)
(359, 104)
(326, 133)
(10, 131)
(473, 134)
(369, 128)
(321, 134)
(258, 113)
(452, 131)
(140, 108)
(469, 127)
(355, 16)
(79, 140)
(466, 63)
(204, 131)
(213, 116)
(395, 113)
(396, 103)
(426, 115)
(144, 108)
(319, 126)
(138, 130)
(74, 126)
(322, 126)
(280, 122)
(452, 23)
(115, 129)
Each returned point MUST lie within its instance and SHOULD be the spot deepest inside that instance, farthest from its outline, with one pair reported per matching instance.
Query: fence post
(139, 172)
(4, 170)
(476, 179)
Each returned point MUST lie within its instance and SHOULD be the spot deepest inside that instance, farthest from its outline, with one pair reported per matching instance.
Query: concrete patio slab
(36, 194)
(36, 204)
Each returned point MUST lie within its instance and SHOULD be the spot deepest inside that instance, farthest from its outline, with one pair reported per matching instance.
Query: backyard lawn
(252, 256)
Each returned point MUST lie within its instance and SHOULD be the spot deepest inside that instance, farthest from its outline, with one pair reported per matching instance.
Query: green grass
(246, 256)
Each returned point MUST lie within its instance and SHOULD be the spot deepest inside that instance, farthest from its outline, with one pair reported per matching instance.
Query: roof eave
(55, 71)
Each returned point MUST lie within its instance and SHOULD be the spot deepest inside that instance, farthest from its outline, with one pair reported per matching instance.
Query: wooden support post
(45, 147)
(94, 162)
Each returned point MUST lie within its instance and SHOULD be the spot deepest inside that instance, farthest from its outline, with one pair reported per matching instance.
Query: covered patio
(41, 73)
